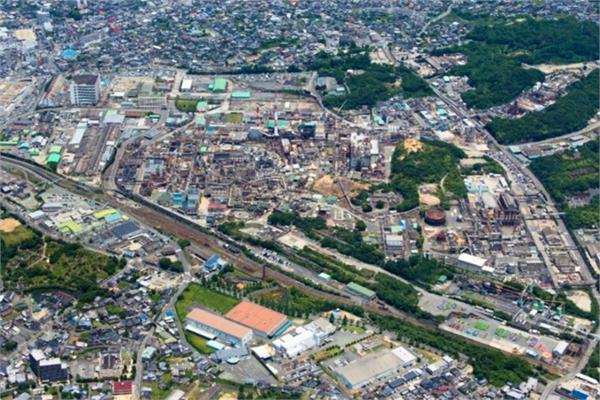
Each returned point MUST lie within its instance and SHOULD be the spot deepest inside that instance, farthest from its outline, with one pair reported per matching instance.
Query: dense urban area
(299, 199)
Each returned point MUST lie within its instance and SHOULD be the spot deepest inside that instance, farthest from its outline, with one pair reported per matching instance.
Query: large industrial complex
(357, 199)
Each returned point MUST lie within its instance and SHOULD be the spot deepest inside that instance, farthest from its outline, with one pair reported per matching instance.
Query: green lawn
(234, 118)
(195, 295)
(198, 342)
(186, 105)
(19, 235)
(354, 329)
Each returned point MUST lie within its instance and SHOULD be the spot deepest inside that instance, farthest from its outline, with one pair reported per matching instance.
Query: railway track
(152, 215)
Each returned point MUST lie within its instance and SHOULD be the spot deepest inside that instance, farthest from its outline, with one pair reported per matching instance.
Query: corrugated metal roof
(219, 323)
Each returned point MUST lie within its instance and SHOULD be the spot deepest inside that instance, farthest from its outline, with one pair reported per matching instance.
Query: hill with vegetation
(570, 113)
(571, 174)
(368, 83)
(497, 49)
(33, 263)
(436, 161)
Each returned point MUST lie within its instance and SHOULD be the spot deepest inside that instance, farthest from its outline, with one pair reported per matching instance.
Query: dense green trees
(583, 216)
(490, 166)
(496, 77)
(295, 303)
(435, 161)
(569, 174)
(293, 218)
(570, 113)
(591, 369)
(167, 264)
(398, 294)
(68, 266)
(25, 239)
(497, 49)
(420, 270)
(9, 345)
(535, 41)
(374, 82)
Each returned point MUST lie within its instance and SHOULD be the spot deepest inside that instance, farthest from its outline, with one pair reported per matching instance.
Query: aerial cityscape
(299, 199)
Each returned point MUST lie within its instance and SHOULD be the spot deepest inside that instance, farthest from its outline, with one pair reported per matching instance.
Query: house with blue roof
(214, 263)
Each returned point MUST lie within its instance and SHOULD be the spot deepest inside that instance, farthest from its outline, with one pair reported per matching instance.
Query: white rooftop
(473, 260)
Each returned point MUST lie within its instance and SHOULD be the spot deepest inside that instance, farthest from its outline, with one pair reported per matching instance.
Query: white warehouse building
(304, 337)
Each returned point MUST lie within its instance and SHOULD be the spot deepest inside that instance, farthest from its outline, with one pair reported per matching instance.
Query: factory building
(213, 326)
(507, 212)
(263, 321)
(362, 371)
(560, 348)
(85, 90)
(304, 337)
(472, 263)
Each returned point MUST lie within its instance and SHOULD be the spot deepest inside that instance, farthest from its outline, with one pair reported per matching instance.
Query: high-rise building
(48, 369)
(85, 89)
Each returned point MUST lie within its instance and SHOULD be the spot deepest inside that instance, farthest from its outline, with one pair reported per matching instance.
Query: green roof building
(219, 85)
(358, 290)
(53, 158)
(202, 105)
(280, 124)
(241, 95)
(55, 149)
(69, 226)
(7, 143)
(200, 121)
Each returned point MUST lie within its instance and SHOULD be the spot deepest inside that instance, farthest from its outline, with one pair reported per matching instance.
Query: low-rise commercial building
(359, 290)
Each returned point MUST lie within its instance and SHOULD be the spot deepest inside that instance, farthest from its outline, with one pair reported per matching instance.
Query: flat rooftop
(217, 322)
(369, 367)
(257, 317)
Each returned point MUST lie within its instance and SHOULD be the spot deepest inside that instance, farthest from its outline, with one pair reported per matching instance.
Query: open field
(198, 342)
(581, 299)
(234, 118)
(196, 295)
(186, 105)
(328, 185)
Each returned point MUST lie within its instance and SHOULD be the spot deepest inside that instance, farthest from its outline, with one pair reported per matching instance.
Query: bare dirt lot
(581, 299)
(8, 225)
(327, 185)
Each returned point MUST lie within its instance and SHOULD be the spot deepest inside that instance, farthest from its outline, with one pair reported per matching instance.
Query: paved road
(139, 365)
(167, 221)
(434, 20)
(559, 221)
(589, 128)
(550, 387)
(523, 170)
